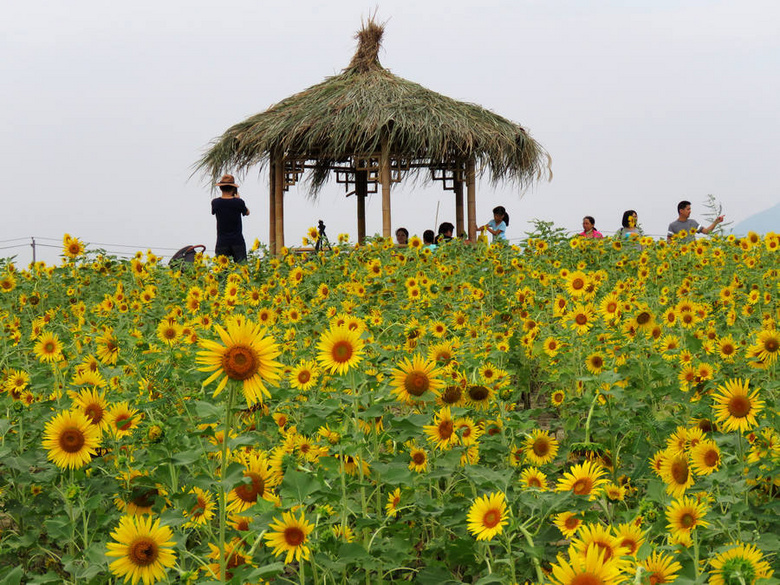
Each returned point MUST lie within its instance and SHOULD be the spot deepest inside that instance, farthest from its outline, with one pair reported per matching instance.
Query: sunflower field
(575, 412)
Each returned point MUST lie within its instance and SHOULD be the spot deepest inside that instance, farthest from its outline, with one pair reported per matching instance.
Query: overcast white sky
(106, 106)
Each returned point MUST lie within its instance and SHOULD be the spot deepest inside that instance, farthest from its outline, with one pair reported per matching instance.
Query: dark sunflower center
(586, 578)
(687, 520)
(739, 406)
(679, 471)
(143, 552)
(342, 351)
(596, 361)
(94, 412)
(577, 284)
(144, 497)
(71, 440)
(478, 393)
(451, 394)
(248, 492)
(630, 544)
(123, 422)
(534, 481)
(49, 347)
(304, 376)
(711, 458)
(582, 486)
(199, 508)
(416, 383)
(771, 345)
(541, 447)
(581, 319)
(491, 518)
(418, 458)
(294, 536)
(446, 429)
(571, 522)
(643, 318)
(605, 548)
(240, 362)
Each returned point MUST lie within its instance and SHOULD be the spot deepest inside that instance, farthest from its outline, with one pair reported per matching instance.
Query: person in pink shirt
(589, 227)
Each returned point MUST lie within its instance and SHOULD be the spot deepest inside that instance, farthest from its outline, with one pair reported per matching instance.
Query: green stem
(537, 565)
(222, 495)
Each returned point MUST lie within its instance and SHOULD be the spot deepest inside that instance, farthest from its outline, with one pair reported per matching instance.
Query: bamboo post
(471, 190)
(272, 205)
(279, 203)
(384, 177)
(361, 191)
(458, 207)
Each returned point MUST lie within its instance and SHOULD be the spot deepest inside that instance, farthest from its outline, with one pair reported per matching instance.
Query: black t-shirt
(228, 212)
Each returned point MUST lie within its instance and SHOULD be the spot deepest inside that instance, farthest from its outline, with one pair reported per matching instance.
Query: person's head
(402, 236)
(629, 218)
(500, 214)
(227, 184)
(684, 209)
(446, 229)
(428, 237)
(588, 223)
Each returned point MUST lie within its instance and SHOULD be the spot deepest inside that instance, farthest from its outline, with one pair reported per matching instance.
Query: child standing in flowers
(497, 226)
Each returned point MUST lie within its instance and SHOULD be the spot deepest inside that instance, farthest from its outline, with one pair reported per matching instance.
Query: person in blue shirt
(497, 226)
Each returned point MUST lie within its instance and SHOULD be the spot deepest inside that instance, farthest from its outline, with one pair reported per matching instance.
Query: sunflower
(246, 355)
(557, 398)
(413, 378)
(601, 538)
(304, 375)
(631, 537)
(418, 460)
(577, 284)
(736, 406)
(72, 247)
(144, 549)
(660, 568)
(683, 516)
(568, 523)
(122, 419)
(705, 457)
(203, 510)
(107, 349)
(48, 348)
(591, 569)
(393, 501)
(595, 362)
(488, 516)
(289, 535)
(551, 346)
(583, 479)
(532, 478)
(727, 347)
(767, 346)
(257, 482)
(169, 332)
(94, 406)
(71, 439)
(581, 317)
(743, 563)
(234, 556)
(442, 432)
(340, 349)
(676, 473)
(540, 447)
(479, 396)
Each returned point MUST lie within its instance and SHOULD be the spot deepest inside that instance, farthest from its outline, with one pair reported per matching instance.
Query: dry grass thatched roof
(351, 113)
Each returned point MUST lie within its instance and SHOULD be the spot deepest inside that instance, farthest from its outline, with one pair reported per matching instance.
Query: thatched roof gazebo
(369, 128)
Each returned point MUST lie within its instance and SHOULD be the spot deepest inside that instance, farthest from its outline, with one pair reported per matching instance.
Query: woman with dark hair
(589, 228)
(629, 229)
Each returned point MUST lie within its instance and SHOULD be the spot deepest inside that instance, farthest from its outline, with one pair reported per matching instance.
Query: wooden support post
(471, 194)
(384, 178)
(361, 192)
(272, 206)
(279, 203)
(459, 225)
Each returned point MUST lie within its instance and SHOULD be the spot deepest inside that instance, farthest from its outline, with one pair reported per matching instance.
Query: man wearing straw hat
(229, 208)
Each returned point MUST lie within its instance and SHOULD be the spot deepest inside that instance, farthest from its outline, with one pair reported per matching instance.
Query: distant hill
(761, 223)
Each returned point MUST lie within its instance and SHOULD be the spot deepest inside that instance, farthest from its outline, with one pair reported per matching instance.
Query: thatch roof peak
(369, 41)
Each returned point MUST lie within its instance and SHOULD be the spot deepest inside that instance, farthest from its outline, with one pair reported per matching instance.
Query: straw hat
(227, 181)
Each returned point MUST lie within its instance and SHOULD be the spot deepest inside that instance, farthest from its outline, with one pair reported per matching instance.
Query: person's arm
(713, 225)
